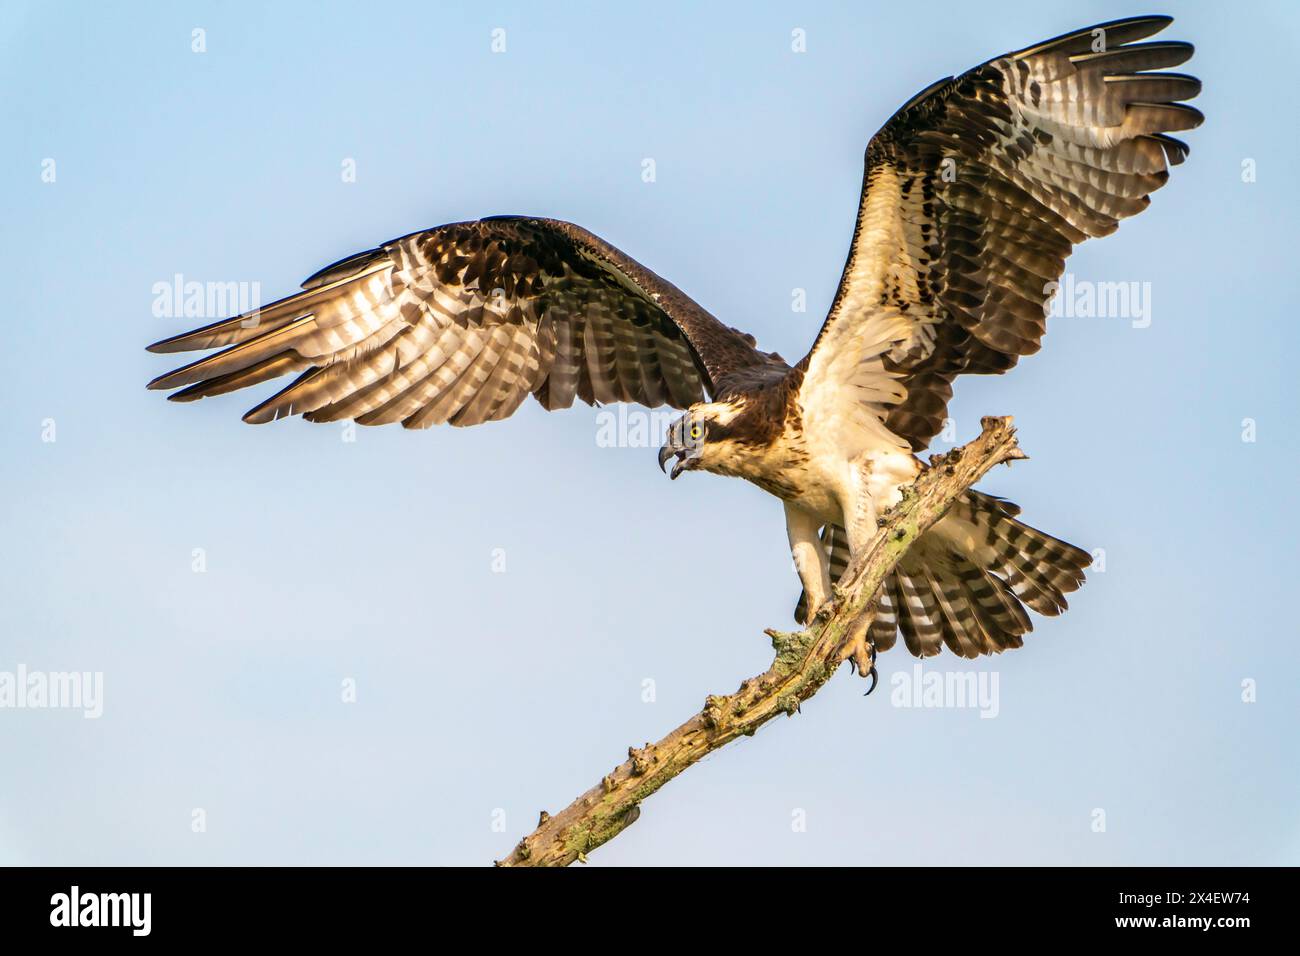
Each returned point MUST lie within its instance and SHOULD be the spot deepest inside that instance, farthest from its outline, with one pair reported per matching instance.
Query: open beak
(667, 452)
(675, 447)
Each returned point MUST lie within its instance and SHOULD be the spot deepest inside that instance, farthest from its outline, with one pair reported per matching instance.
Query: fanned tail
(966, 582)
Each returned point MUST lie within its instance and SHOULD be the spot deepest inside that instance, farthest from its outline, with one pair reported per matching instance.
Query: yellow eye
(696, 432)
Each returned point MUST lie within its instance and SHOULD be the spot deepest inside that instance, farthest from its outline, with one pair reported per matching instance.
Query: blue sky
(483, 697)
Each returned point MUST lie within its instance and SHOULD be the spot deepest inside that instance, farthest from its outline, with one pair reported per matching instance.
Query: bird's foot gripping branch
(804, 661)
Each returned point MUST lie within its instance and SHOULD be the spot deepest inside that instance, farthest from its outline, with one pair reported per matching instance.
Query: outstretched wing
(975, 193)
(460, 324)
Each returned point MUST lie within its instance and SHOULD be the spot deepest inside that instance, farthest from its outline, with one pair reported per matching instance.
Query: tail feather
(1039, 569)
(965, 584)
(919, 617)
(961, 632)
(883, 632)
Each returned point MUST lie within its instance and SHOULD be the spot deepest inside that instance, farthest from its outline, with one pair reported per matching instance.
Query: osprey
(974, 194)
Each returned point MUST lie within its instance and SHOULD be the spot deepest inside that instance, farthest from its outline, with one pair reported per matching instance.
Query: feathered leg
(810, 557)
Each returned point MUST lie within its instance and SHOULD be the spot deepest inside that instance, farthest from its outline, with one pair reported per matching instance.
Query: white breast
(828, 470)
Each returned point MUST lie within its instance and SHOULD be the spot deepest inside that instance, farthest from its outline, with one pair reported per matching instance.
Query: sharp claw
(873, 673)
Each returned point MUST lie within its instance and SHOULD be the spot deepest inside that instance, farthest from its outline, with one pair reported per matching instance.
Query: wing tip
(1145, 26)
(1146, 19)
(266, 412)
(1196, 116)
(171, 344)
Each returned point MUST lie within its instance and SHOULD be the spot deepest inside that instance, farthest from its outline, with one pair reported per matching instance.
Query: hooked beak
(676, 447)
(668, 451)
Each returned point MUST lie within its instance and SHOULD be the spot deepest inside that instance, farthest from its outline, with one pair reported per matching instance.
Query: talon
(874, 678)
(873, 673)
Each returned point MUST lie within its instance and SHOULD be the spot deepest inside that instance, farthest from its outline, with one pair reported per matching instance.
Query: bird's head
(701, 439)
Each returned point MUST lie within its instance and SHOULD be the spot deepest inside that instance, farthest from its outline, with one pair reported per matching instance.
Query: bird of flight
(975, 193)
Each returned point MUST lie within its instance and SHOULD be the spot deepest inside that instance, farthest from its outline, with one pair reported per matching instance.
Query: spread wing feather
(975, 193)
(460, 324)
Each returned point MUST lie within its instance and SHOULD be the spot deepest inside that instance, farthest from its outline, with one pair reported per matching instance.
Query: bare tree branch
(805, 660)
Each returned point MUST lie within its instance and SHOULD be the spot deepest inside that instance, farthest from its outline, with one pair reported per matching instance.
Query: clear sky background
(484, 697)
